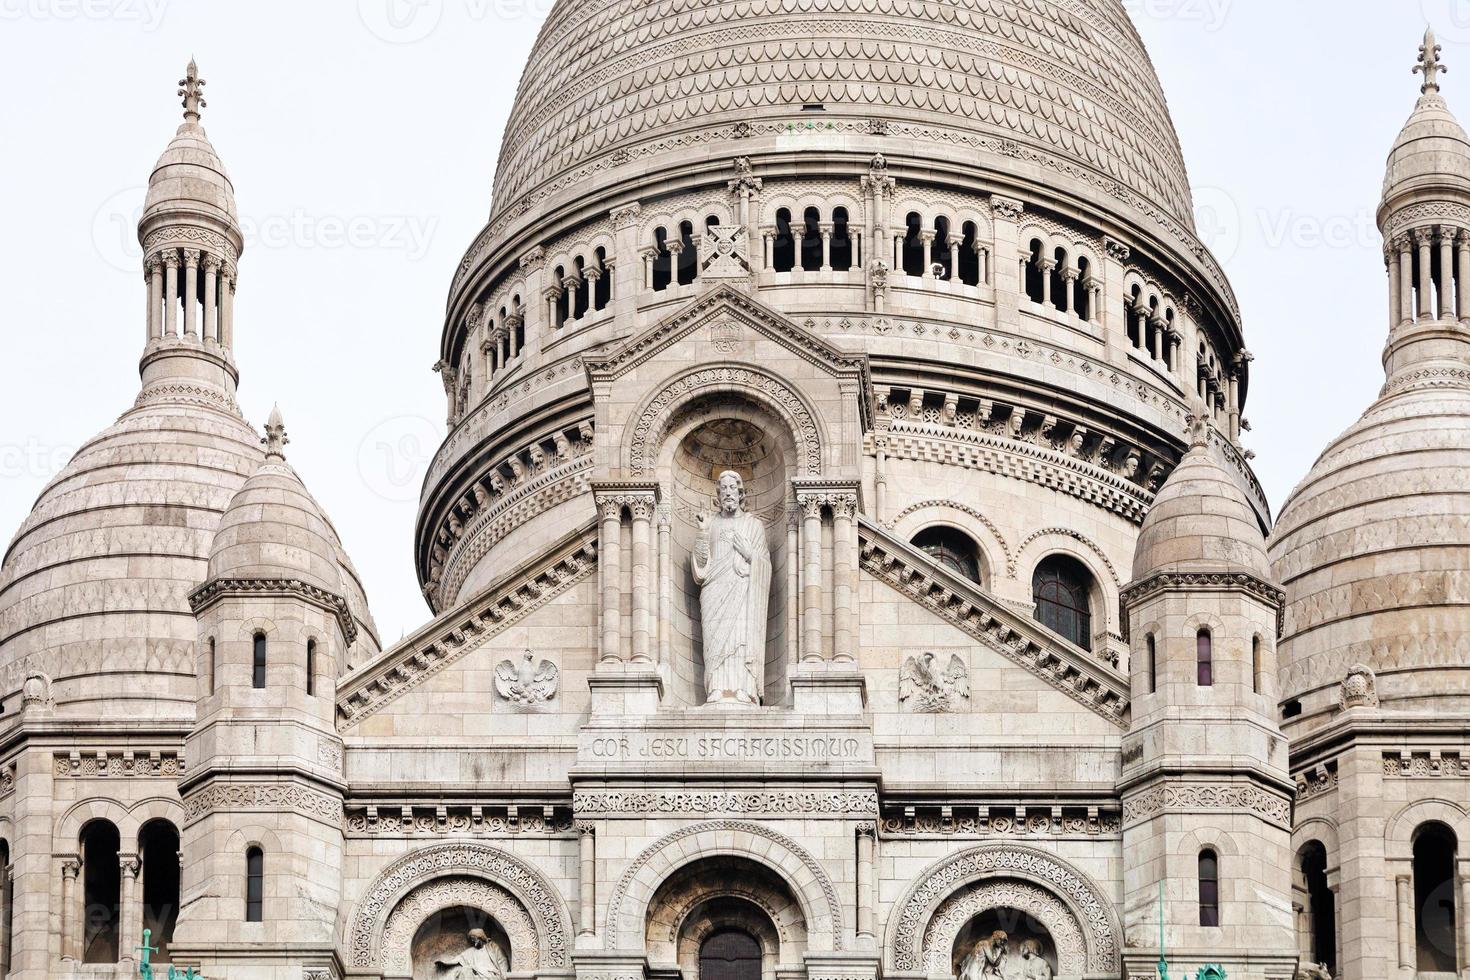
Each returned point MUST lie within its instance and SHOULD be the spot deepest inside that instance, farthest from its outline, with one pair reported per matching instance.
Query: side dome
(613, 87)
(274, 529)
(1200, 521)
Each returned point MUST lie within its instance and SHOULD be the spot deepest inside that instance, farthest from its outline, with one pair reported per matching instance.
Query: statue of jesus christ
(732, 566)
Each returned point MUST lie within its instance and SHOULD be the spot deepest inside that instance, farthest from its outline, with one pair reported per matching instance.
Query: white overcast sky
(362, 134)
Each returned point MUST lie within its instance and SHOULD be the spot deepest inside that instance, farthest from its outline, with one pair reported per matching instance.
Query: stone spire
(275, 440)
(191, 246)
(1429, 64)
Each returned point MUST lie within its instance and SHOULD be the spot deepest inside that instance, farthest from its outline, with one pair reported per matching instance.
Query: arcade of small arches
(1429, 274)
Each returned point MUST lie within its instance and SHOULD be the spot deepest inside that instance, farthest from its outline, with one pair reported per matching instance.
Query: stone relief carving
(922, 688)
(477, 962)
(725, 252)
(526, 682)
(988, 961)
(1359, 688)
(1207, 796)
(732, 567)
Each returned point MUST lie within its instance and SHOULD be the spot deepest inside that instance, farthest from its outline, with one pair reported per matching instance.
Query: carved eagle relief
(922, 688)
(527, 682)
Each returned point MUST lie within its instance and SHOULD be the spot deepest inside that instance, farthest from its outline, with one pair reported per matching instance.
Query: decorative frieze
(219, 588)
(383, 820)
(1426, 765)
(637, 803)
(1015, 820)
(245, 797)
(1206, 797)
(1211, 582)
(103, 763)
(1316, 781)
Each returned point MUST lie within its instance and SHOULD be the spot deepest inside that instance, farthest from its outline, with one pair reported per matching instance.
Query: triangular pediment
(1098, 686)
(725, 301)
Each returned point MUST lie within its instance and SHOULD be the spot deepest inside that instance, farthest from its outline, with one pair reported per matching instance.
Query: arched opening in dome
(311, 668)
(913, 246)
(951, 548)
(663, 260)
(1035, 287)
(1167, 346)
(458, 941)
(1436, 928)
(7, 910)
(562, 309)
(783, 249)
(1133, 303)
(688, 255)
(1006, 939)
(1062, 589)
(582, 294)
(519, 310)
(1084, 293)
(1319, 912)
(1208, 880)
(1151, 328)
(1257, 666)
(842, 247)
(101, 876)
(811, 240)
(158, 852)
(939, 251)
(1060, 287)
(705, 440)
(969, 273)
(602, 288)
(1204, 657)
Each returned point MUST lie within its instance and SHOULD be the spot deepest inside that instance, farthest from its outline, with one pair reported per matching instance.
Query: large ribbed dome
(1061, 84)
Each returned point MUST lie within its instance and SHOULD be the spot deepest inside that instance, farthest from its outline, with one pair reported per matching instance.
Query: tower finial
(275, 440)
(191, 87)
(1429, 63)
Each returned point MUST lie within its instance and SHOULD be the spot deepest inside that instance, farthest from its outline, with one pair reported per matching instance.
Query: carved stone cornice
(451, 820)
(243, 797)
(506, 602)
(960, 602)
(1197, 797)
(642, 803)
(219, 588)
(1238, 582)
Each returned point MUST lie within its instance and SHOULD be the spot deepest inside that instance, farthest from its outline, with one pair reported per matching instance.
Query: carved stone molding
(1205, 797)
(1316, 781)
(1241, 582)
(397, 820)
(1023, 896)
(542, 903)
(641, 803)
(245, 797)
(724, 829)
(1418, 765)
(1084, 902)
(220, 588)
(182, 235)
(999, 821)
(103, 763)
(447, 893)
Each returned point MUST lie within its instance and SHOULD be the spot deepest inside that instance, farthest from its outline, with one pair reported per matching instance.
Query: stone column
(857, 238)
(513, 324)
(641, 508)
(609, 559)
(793, 583)
(1046, 265)
(610, 269)
(1462, 279)
(1395, 286)
(898, 238)
(768, 248)
(1113, 312)
(129, 924)
(880, 478)
(665, 583)
(954, 257)
(191, 292)
(1156, 325)
(211, 301)
(1422, 238)
(592, 273)
(649, 254)
(867, 841)
(826, 232)
(1444, 300)
(1404, 890)
(676, 249)
(569, 285)
(844, 576)
(811, 584)
(1069, 290)
(926, 241)
(171, 293)
(1406, 279)
(550, 297)
(69, 870)
(155, 297)
(587, 880)
(1233, 403)
(227, 310)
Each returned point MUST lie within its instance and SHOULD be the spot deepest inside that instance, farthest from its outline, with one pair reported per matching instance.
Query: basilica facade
(843, 559)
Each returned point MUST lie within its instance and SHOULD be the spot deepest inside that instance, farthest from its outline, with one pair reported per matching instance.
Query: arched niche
(705, 437)
(969, 918)
(447, 936)
(717, 894)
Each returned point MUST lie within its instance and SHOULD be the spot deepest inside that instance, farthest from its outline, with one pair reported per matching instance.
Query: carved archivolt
(920, 911)
(1079, 537)
(987, 523)
(448, 893)
(1035, 901)
(762, 388)
(635, 890)
(544, 907)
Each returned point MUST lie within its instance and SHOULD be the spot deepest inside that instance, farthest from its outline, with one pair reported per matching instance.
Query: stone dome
(1200, 521)
(190, 177)
(1061, 85)
(274, 529)
(94, 587)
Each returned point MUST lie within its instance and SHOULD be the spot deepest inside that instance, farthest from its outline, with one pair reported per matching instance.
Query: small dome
(1200, 521)
(274, 529)
(1432, 152)
(189, 178)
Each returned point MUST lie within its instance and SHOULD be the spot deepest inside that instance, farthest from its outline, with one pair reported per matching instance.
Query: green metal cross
(145, 965)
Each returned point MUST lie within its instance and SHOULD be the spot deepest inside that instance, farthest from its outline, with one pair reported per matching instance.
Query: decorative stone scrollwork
(1084, 904)
(543, 907)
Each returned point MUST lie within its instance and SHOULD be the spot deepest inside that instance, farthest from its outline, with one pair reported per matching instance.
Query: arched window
(1153, 663)
(1059, 284)
(663, 260)
(1133, 305)
(101, 892)
(311, 668)
(602, 292)
(1034, 289)
(913, 246)
(1204, 655)
(207, 669)
(689, 257)
(841, 240)
(257, 667)
(1061, 588)
(520, 311)
(730, 955)
(1256, 665)
(969, 273)
(582, 295)
(1321, 913)
(939, 253)
(811, 240)
(563, 310)
(158, 849)
(254, 885)
(1209, 888)
(1084, 294)
(952, 548)
(1435, 929)
(7, 911)
(783, 250)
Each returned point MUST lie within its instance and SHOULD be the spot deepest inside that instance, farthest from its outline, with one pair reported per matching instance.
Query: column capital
(1070, 274)
(616, 494)
(128, 864)
(840, 495)
(153, 263)
(551, 292)
(571, 281)
(869, 830)
(627, 215)
(532, 258)
(592, 273)
(675, 246)
(212, 262)
(649, 251)
(585, 828)
(1423, 237)
(191, 258)
(70, 867)
(171, 259)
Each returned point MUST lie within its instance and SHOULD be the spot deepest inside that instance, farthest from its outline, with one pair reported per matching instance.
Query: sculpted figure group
(992, 960)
